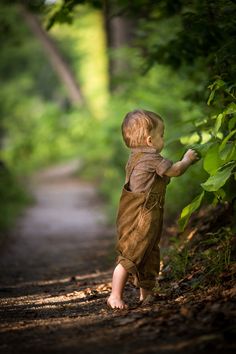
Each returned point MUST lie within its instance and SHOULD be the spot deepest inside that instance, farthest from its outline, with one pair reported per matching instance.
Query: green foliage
(63, 11)
(13, 198)
(76, 47)
(219, 161)
(218, 180)
(201, 262)
(193, 29)
(177, 257)
(36, 126)
(42, 129)
(189, 209)
(217, 254)
(205, 32)
(212, 159)
(204, 35)
(36, 123)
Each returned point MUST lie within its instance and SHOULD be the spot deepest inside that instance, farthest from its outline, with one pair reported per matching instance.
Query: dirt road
(61, 235)
(55, 276)
(60, 244)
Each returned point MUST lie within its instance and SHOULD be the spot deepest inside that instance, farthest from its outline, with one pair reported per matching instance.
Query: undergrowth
(13, 199)
(202, 260)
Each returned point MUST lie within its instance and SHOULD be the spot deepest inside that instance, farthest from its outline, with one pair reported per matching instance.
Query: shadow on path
(56, 274)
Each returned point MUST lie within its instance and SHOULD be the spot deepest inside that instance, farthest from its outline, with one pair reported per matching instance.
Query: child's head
(143, 128)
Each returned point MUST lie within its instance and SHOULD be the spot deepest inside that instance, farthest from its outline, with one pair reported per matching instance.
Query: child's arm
(178, 168)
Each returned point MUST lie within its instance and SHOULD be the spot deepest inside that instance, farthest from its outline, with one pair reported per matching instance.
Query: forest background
(174, 58)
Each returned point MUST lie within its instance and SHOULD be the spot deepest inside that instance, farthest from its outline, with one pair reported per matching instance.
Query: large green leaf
(201, 149)
(188, 210)
(228, 153)
(212, 160)
(216, 181)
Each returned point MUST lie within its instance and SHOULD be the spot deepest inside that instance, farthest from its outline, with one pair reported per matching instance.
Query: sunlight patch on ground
(62, 280)
(51, 322)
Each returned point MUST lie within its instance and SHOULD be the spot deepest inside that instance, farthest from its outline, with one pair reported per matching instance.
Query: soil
(56, 268)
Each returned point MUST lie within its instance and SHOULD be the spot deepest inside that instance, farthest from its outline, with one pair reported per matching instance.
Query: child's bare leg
(120, 276)
(144, 293)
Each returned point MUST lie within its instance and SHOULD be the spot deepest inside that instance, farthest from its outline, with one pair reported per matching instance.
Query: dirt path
(55, 276)
(59, 244)
(61, 235)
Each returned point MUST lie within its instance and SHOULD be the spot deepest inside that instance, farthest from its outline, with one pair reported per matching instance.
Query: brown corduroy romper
(139, 226)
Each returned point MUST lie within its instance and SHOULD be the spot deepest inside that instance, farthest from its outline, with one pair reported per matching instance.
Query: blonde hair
(137, 126)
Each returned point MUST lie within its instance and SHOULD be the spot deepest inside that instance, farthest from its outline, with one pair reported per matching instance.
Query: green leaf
(228, 152)
(201, 149)
(232, 123)
(216, 181)
(216, 84)
(188, 210)
(214, 87)
(211, 97)
(220, 194)
(226, 139)
(230, 109)
(219, 83)
(232, 155)
(212, 160)
(218, 123)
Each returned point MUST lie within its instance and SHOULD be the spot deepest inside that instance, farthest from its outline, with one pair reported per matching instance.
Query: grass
(205, 262)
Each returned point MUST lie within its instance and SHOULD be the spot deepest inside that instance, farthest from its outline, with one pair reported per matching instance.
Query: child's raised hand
(191, 155)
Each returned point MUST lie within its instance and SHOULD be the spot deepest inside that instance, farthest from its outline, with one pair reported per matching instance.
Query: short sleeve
(163, 166)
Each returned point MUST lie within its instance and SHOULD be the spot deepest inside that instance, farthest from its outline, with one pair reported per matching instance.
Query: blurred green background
(121, 56)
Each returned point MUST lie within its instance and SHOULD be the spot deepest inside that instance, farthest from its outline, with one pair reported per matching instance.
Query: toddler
(140, 213)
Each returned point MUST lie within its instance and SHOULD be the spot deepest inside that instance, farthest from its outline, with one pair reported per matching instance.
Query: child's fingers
(192, 155)
(193, 152)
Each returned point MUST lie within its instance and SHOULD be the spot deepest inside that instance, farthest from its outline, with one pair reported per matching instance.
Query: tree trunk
(57, 61)
(119, 33)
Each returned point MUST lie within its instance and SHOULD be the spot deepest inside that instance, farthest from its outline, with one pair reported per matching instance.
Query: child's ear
(149, 140)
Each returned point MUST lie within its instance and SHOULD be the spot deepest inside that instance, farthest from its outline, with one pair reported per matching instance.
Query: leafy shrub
(219, 152)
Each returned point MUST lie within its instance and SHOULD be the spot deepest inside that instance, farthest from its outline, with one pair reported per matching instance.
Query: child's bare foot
(144, 293)
(116, 303)
(149, 300)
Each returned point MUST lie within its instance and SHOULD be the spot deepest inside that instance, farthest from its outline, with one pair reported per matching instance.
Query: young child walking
(140, 213)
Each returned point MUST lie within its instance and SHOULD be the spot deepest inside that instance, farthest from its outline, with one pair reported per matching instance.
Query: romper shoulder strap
(131, 165)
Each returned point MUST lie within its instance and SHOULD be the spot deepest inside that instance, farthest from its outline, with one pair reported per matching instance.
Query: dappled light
(70, 72)
(54, 300)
